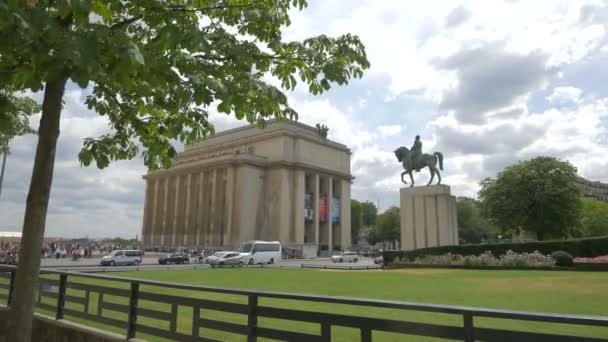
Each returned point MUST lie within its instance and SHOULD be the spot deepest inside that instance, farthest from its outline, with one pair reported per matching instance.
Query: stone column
(187, 229)
(230, 174)
(153, 212)
(165, 213)
(176, 208)
(201, 205)
(316, 208)
(345, 223)
(146, 224)
(298, 222)
(212, 212)
(330, 228)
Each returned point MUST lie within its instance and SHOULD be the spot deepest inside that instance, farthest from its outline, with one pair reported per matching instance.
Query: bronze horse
(403, 154)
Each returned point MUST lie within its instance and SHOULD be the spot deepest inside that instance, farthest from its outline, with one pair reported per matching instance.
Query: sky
(488, 83)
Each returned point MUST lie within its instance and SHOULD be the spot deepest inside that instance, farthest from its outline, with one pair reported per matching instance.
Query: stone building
(593, 189)
(284, 182)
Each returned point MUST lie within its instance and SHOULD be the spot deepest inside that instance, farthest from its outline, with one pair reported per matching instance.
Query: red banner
(323, 208)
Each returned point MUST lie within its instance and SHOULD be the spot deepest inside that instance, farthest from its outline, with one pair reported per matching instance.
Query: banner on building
(309, 213)
(335, 210)
(323, 208)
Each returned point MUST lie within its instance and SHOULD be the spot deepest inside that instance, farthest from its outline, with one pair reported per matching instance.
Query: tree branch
(181, 8)
(126, 22)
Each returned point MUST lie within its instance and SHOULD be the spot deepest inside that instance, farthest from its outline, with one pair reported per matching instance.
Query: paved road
(92, 264)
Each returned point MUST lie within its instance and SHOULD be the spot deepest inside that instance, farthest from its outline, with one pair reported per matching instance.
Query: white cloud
(389, 130)
(341, 128)
(565, 95)
(551, 100)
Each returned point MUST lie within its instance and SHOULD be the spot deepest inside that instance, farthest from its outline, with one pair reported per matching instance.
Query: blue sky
(486, 82)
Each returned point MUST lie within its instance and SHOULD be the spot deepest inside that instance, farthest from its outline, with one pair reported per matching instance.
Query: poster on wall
(335, 210)
(309, 213)
(323, 208)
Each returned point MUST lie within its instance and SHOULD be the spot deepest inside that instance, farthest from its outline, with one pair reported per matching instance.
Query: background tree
(356, 220)
(389, 227)
(472, 227)
(369, 213)
(372, 237)
(155, 69)
(15, 112)
(594, 218)
(537, 196)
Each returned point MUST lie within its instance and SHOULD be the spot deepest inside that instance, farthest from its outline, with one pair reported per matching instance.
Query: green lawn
(545, 291)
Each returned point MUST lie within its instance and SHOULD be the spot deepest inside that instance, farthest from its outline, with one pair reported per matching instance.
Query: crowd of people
(9, 250)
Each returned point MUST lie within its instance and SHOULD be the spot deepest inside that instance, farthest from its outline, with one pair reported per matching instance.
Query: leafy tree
(537, 196)
(594, 220)
(372, 237)
(155, 68)
(369, 213)
(15, 112)
(389, 226)
(472, 227)
(356, 220)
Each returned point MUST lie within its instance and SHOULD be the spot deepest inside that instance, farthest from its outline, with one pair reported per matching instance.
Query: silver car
(345, 257)
(225, 259)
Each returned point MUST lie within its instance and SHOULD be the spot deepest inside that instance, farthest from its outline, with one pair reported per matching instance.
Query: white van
(260, 252)
(121, 257)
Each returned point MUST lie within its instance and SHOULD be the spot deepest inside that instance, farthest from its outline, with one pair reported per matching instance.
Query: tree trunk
(22, 306)
(540, 236)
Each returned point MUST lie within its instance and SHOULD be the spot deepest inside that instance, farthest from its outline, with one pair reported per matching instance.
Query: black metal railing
(146, 306)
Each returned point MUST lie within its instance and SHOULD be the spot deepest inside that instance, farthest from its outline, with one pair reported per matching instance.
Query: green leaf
(135, 54)
(100, 8)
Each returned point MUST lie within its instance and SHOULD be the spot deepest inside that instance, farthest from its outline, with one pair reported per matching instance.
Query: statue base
(428, 217)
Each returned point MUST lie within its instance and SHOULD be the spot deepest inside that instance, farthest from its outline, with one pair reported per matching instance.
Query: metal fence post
(132, 322)
(252, 320)
(63, 279)
(11, 288)
(469, 335)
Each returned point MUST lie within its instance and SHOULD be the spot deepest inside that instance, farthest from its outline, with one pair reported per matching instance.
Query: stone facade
(249, 183)
(428, 217)
(593, 189)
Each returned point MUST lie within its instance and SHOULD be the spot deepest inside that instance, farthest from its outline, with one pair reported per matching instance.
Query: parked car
(379, 260)
(122, 257)
(174, 258)
(345, 257)
(225, 259)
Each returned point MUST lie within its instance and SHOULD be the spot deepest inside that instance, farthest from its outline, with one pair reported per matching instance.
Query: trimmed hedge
(583, 248)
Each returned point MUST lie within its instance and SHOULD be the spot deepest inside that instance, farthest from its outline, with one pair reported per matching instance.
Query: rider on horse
(416, 151)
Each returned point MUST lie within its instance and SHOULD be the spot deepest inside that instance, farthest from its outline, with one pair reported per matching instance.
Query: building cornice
(309, 134)
(235, 160)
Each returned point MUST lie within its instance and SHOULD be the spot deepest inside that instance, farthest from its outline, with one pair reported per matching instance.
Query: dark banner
(309, 212)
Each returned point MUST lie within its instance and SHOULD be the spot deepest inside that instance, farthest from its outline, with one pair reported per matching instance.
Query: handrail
(381, 303)
(467, 332)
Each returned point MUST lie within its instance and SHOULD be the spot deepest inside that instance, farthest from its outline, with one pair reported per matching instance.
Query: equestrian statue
(414, 160)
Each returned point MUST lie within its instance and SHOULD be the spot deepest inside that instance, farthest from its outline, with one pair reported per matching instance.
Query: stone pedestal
(428, 217)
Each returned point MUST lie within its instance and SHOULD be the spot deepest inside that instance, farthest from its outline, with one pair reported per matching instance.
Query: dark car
(174, 258)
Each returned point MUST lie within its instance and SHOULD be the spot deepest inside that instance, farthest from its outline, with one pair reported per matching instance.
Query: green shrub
(580, 248)
(562, 258)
